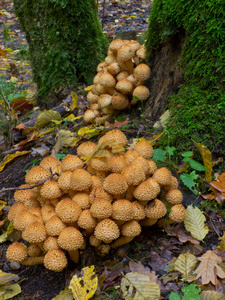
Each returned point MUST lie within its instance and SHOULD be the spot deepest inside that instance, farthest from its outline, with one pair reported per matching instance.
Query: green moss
(65, 41)
(198, 107)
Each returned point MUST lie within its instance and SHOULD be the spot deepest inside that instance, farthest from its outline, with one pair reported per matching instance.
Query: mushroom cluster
(119, 82)
(104, 201)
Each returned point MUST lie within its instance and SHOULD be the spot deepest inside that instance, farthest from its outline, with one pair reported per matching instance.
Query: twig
(215, 273)
(11, 151)
(214, 226)
(28, 187)
(133, 130)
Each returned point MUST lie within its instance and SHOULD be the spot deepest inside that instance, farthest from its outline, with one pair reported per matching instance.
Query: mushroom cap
(36, 175)
(134, 174)
(125, 53)
(142, 72)
(23, 219)
(100, 163)
(14, 210)
(80, 180)
(101, 209)
(132, 79)
(131, 228)
(54, 226)
(97, 76)
(96, 181)
(50, 243)
(115, 183)
(34, 233)
(134, 45)
(22, 195)
(86, 148)
(142, 163)
(155, 210)
(99, 193)
(152, 167)
(117, 164)
(123, 210)
(141, 92)
(82, 199)
(55, 260)
(145, 149)
(120, 101)
(16, 252)
(162, 176)
(115, 45)
(34, 250)
(110, 59)
(89, 116)
(141, 52)
(130, 155)
(64, 180)
(71, 162)
(70, 239)
(47, 211)
(124, 86)
(51, 190)
(178, 213)
(173, 184)
(104, 101)
(139, 211)
(122, 75)
(116, 135)
(147, 190)
(87, 220)
(68, 210)
(101, 66)
(106, 79)
(50, 162)
(91, 97)
(36, 212)
(107, 231)
(113, 68)
(174, 196)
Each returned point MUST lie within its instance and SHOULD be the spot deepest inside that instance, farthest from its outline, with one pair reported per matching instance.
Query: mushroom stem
(31, 261)
(74, 256)
(122, 241)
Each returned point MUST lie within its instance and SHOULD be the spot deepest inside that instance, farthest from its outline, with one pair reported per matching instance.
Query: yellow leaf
(2, 205)
(84, 287)
(162, 120)
(194, 223)
(156, 137)
(46, 132)
(207, 161)
(222, 242)
(45, 117)
(89, 131)
(65, 294)
(208, 268)
(185, 264)
(71, 117)
(6, 278)
(9, 291)
(13, 79)
(212, 295)
(100, 153)
(137, 286)
(73, 103)
(9, 157)
(114, 146)
(88, 88)
(65, 138)
(8, 232)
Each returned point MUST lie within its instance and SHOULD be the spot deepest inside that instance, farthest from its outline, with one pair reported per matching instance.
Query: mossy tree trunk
(65, 42)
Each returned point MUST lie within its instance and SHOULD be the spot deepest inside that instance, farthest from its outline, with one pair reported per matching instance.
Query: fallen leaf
(65, 138)
(9, 157)
(180, 234)
(117, 124)
(65, 294)
(208, 268)
(73, 103)
(212, 295)
(88, 88)
(7, 233)
(45, 117)
(220, 186)
(6, 278)
(207, 160)
(89, 131)
(9, 291)
(185, 264)
(222, 242)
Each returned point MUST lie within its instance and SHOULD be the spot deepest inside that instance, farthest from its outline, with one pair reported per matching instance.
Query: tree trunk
(65, 42)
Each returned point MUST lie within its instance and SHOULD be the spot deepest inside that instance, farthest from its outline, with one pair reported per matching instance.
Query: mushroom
(141, 93)
(99, 193)
(55, 260)
(115, 183)
(142, 163)
(162, 176)
(138, 211)
(71, 162)
(156, 209)
(90, 115)
(107, 231)
(141, 73)
(36, 175)
(70, 239)
(14, 210)
(108, 81)
(152, 167)
(86, 220)
(64, 180)
(147, 190)
(101, 209)
(91, 97)
(68, 210)
(131, 228)
(23, 219)
(80, 180)
(51, 190)
(124, 57)
(134, 174)
(122, 75)
(102, 66)
(122, 210)
(34, 233)
(145, 149)
(74, 256)
(117, 164)
(130, 155)
(174, 196)
(120, 101)
(22, 196)
(51, 163)
(94, 241)
(34, 250)
(16, 252)
(50, 243)
(178, 213)
(87, 148)
(54, 226)
(124, 86)
(116, 135)
(82, 199)
(113, 68)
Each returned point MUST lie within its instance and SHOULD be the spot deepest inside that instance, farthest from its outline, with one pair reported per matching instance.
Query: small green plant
(189, 292)
(30, 165)
(6, 33)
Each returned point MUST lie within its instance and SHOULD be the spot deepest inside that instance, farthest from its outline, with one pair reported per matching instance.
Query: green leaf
(196, 166)
(188, 180)
(187, 154)
(190, 292)
(170, 150)
(174, 296)
(159, 154)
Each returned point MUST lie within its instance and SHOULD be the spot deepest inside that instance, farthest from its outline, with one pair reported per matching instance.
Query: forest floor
(155, 247)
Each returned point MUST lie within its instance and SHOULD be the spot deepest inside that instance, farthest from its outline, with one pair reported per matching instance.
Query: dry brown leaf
(212, 295)
(180, 234)
(117, 124)
(220, 186)
(208, 268)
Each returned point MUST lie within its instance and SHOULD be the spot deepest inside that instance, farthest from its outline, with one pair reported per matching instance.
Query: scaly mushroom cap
(23, 219)
(89, 116)
(124, 86)
(115, 45)
(131, 228)
(86, 148)
(104, 101)
(55, 260)
(117, 164)
(80, 180)
(107, 231)
(36, 175)
(145, 149)
(139, 211)
(16, 252)
(162, 176)
(54, 226)
(34, 250)
(147, 190)
(50, 162)
(102, 66)
(51, 190)
(70, 239)
(152, 167)
(134, 174)
(97, 76)
(91, 97)
(94, 241)
(87, 220)
(115, 183)
(22, 196)
(116, 135)
(101, 209)
(110, 58)
(64, 180)
(36, 212)
(142, 72)
(96, 181)
(178, 213)
(100, 90)
(50, 243)
(141, 162)
(125, 53)
(130, 155)
(68, 210)
(132, 79)
(71, 162)
(100, 163)
(123, 210)
(99, 193)
(106, 79)
(134, 45)
(141, 92)
(47, 211)
(120, 101)
(82, 199)
(155, 210)
(34, 233)
(15, 210)
(122, 75)
(174, 196)
(113, 68)
(173, 184)
(142, 52)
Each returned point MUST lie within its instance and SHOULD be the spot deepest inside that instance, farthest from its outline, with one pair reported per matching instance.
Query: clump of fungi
(119, 82)
(103, 201)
